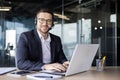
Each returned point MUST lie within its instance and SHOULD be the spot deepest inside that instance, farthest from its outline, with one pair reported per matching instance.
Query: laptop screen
(82, 58)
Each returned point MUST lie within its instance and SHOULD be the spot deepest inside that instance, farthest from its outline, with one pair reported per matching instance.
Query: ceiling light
(2, 8)
(61, 16)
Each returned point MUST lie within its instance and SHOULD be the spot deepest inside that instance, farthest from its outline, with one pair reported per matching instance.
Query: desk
(110, 73)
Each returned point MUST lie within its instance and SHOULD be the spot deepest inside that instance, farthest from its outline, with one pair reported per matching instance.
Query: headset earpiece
(35, 21)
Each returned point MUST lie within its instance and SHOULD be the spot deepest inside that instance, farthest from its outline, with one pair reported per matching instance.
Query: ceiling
(28, 8)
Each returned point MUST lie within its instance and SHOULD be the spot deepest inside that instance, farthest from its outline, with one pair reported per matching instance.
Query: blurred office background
(76, 21)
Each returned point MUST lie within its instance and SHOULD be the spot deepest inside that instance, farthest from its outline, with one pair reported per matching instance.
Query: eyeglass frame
(42, 20)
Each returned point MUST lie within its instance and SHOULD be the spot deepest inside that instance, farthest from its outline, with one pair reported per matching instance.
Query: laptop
(81, 59)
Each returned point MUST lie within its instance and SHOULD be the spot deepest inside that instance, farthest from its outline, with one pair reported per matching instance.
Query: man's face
(44, 22)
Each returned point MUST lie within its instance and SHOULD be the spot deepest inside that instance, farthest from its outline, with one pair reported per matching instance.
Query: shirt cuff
(43, 67)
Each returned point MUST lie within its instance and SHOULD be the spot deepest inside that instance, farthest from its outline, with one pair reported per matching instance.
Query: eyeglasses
(42, 20)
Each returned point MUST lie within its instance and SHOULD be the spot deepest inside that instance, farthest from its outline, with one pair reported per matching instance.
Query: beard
(44, 30)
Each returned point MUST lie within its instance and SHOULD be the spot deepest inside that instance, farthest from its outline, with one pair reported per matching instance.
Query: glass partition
(96, 23)
(76, 22)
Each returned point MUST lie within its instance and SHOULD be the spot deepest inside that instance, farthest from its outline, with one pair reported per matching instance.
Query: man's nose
(45, 22)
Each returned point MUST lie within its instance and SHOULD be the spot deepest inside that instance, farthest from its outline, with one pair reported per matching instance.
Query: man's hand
(66, 64)
(55, 66)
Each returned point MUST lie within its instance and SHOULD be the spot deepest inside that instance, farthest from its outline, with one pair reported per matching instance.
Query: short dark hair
(46, 10)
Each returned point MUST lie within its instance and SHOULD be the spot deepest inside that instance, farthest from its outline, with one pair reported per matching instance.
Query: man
(38, 49)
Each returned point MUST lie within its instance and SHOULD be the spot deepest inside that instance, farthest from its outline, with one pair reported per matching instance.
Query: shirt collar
(42, 38)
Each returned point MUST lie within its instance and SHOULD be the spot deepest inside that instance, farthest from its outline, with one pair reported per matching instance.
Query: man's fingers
(57, 69)
(55, 66)
(66, 64)
(60, 67)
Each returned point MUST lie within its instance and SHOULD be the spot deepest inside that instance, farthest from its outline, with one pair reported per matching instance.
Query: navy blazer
(29, 51)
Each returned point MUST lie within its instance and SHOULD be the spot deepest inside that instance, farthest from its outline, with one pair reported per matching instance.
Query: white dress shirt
(45, 48)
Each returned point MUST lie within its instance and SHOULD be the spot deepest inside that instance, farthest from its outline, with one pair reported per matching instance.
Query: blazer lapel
(39, 44)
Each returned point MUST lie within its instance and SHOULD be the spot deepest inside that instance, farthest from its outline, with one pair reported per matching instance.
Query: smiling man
(38, 49)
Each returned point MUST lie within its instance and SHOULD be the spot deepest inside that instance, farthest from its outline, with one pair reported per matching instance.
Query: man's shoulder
(28, 33)
(54, 36)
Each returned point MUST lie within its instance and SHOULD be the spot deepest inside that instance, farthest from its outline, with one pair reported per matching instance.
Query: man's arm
(23, 57)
